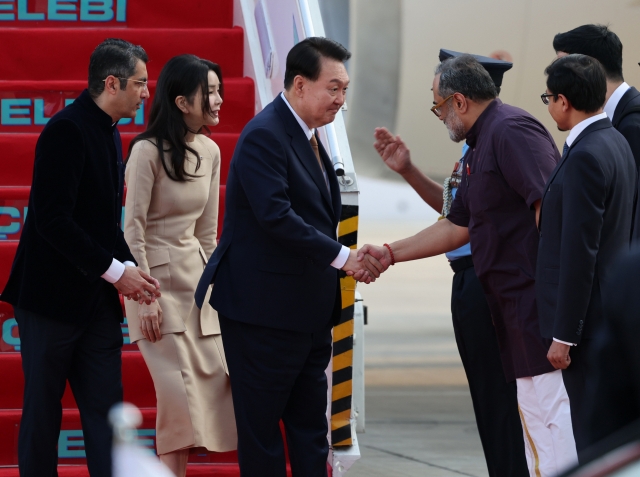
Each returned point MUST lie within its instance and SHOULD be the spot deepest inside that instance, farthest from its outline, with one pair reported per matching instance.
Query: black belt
(460, 264)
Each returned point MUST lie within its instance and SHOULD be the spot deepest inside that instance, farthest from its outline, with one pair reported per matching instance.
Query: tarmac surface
(419, 416)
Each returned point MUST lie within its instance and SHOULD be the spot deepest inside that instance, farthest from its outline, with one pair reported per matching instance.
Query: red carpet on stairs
(44, 68)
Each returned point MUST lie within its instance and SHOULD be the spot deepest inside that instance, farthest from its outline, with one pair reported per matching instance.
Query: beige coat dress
(171, 229)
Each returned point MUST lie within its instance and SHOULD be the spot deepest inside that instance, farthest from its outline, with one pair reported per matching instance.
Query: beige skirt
(192, 390)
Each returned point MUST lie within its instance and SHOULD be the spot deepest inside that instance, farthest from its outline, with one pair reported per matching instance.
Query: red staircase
(44, 56)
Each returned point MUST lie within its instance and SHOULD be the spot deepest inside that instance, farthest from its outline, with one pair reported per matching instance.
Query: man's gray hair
(464, 74)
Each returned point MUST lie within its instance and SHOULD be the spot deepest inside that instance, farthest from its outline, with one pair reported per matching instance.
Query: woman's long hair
(182, 76)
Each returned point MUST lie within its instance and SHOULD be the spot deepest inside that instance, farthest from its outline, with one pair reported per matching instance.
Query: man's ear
(566, 104)
(112, 85)
(460, 103)
(299, 82)
(181, 103)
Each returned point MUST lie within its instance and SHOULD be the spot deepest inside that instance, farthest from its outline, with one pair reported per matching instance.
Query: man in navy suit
(275, 271)
(585, 222)
(622, 101)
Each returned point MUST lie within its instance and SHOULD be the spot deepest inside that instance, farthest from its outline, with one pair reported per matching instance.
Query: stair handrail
(330, 130)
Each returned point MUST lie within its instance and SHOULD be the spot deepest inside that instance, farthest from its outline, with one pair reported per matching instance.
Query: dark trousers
(278, 374)
(495, 401)
(89, 356)
(575, 382)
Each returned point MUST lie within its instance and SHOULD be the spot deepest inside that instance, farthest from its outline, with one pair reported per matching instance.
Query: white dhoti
(546, 422)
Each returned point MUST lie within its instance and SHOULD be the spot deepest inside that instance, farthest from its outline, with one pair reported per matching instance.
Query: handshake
(368, 263)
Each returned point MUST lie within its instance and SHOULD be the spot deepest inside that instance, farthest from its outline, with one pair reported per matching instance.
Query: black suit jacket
(72, 231)
(613, 395)
(585, 223)
(272, 266)
(629, 124)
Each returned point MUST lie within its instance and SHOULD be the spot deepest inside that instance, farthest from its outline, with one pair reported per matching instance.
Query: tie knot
(565, 148)
(313, 141)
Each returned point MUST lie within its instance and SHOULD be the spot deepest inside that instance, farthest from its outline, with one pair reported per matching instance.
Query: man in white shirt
(622, 104)
(276, 269)
(585, 222)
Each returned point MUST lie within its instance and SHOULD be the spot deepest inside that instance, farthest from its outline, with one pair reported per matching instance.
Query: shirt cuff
(342, 258)
(114, 272)
(129, 263)
(564, 342)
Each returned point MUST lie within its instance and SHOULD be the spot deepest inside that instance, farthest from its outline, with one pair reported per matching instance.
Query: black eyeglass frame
(545, 97)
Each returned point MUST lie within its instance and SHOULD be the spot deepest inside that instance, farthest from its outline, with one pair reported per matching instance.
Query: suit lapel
(302, 148)
(600, 124)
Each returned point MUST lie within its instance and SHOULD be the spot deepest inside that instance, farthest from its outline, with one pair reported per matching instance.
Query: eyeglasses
(545, 97)
(142, 84)
(436, 109)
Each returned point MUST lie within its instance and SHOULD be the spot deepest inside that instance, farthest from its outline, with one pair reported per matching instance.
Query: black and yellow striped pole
(342, 379)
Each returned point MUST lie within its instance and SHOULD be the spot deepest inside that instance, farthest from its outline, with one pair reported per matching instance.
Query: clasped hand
(138, 285)
(368, 263)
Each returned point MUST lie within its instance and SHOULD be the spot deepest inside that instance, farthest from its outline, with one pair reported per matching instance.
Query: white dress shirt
(573, 134)
(614, 99)
(116, 270)
(342, 257)
(581, 126)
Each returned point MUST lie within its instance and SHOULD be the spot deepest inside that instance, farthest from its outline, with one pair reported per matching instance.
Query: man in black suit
(71, 263)
(585, 222)
(275, 270)
(622, 101)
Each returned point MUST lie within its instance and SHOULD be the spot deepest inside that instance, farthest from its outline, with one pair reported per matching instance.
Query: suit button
(581, 321)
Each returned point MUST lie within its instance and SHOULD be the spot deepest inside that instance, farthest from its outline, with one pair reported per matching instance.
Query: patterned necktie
(565, 148)
(314, 145)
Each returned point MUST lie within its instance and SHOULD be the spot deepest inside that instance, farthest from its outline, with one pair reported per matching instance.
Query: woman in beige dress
(171, 218)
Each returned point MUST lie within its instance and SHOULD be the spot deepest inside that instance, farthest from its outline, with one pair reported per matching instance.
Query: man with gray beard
(494, 399)
(496, 208)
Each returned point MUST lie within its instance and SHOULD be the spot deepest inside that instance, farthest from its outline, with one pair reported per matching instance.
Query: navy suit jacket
(72, 231)
(585, 222)
(272, 266)
(629, 124)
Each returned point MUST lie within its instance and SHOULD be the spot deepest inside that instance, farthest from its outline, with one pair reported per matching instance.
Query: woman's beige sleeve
(140, 176)
(206, 229)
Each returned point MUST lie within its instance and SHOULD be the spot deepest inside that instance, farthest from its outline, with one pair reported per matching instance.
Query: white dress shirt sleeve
(115, 271)
(341, 259)
(564, 342)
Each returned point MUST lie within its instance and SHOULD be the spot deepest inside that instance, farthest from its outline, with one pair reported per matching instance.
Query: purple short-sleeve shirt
(511, 156)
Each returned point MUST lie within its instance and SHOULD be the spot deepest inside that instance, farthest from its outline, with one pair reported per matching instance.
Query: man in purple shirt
(497, 206)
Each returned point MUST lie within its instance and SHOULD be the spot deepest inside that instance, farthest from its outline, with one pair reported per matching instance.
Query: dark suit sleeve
(122, 252)
(583, 197)
(261, 164)
(57, 172)
(629, 127)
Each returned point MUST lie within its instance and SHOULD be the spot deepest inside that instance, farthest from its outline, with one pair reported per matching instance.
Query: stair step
(17, 153)
(68, 50)
(27, 105)
(71, 446)
(7, 252)
(136, 382)
(16, 200)
(193, 470)
(123, 13)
